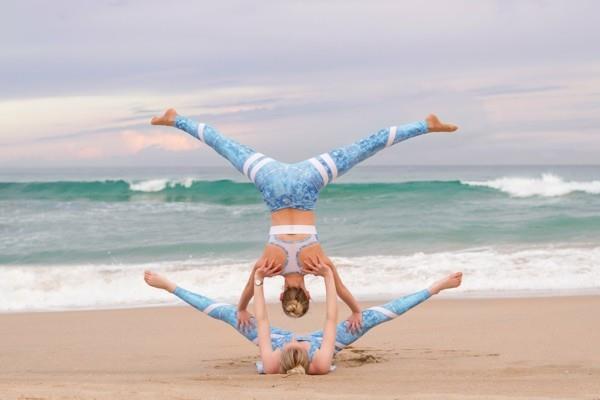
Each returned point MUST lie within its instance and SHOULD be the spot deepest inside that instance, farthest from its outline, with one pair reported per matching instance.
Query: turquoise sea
(79, 238)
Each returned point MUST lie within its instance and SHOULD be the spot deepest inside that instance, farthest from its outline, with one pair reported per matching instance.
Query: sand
(443, 349)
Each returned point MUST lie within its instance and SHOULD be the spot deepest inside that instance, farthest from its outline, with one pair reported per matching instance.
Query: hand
(354, 322)
(314, 255)
(265, 268)
(319, 269)
(244, 320)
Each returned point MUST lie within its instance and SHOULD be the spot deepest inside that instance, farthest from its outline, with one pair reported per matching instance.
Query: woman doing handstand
(291, 192)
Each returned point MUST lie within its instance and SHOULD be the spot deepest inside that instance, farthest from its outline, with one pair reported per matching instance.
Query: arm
(321, 362)
(269, 358)
(272, 266)
(354, 321)
(313, 256)
(342, 290)
(248, 291)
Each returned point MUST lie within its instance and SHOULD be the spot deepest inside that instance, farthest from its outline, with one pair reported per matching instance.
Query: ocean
(80, 238)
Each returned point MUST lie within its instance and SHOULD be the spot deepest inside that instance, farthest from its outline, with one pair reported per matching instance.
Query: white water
(156, 185)
(547, 186)
(488, 272)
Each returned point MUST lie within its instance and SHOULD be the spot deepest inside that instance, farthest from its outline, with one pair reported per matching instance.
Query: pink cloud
(136, 141)
(118, 144)
(87, 152)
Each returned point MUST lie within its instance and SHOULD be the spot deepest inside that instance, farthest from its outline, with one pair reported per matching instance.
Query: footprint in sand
(356, 357)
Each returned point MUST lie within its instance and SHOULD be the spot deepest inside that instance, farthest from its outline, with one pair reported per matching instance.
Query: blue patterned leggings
(297, 185)
(279, 337)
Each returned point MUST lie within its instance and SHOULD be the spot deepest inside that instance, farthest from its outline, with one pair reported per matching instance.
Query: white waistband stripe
(384, 311)
(331, 164)
(249, 162)
(293, 229)
(201, 131)
(391, 136)
(321, 170)
(208, 309)
(339, 345)
(254, 170)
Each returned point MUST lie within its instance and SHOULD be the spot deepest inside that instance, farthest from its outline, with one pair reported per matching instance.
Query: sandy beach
(446, 348)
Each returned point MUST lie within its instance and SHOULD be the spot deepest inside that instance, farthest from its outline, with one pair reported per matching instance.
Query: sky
(80, 80)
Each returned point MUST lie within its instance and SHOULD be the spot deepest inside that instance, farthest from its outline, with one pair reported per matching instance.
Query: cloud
(58, 116)
(94, 147)
(88, 152)
(134, 142)
(293, 78)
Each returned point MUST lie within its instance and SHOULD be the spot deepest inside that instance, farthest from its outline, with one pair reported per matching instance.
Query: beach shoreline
(445, 348)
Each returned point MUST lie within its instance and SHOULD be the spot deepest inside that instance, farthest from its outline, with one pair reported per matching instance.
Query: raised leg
(246, 160)
(379, 314)
(339, 161)
(221, 311)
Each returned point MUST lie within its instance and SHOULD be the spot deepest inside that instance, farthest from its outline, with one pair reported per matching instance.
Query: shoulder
(272, 362)
(317, 367)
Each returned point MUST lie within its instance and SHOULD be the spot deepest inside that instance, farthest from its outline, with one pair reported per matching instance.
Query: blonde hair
(294, 302)
(294, 361)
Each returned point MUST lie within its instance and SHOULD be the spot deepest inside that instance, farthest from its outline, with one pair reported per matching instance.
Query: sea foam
(488, 272)
(548, 185)
(157, 185)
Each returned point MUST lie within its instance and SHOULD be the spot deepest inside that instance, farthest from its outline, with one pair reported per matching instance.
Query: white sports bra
(292, 251)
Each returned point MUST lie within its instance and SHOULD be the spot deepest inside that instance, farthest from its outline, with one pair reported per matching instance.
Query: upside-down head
(295, 301)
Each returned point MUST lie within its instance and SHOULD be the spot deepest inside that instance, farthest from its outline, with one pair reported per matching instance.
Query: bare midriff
(293, 216)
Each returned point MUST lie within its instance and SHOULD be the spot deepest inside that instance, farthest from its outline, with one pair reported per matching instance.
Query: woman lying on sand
(291, 192)
(281, 351)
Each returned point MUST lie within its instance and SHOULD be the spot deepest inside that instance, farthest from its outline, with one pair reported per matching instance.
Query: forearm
(248, 292)
(346, 296)
(260, 307)
(246, 296)
(342, 291)
(269, 359)
(330, 298)
(321, 363)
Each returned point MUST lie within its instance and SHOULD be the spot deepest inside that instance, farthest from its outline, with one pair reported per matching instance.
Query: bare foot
(158, 281)
(451, 281)
(167, 119)
(435, 125)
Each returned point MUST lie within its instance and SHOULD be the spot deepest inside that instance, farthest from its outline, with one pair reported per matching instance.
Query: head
(294, 301)
(294, 359)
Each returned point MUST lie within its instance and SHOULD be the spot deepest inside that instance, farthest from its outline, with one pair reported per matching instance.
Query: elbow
(322, 369)
(271, 370)
(270, 366)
